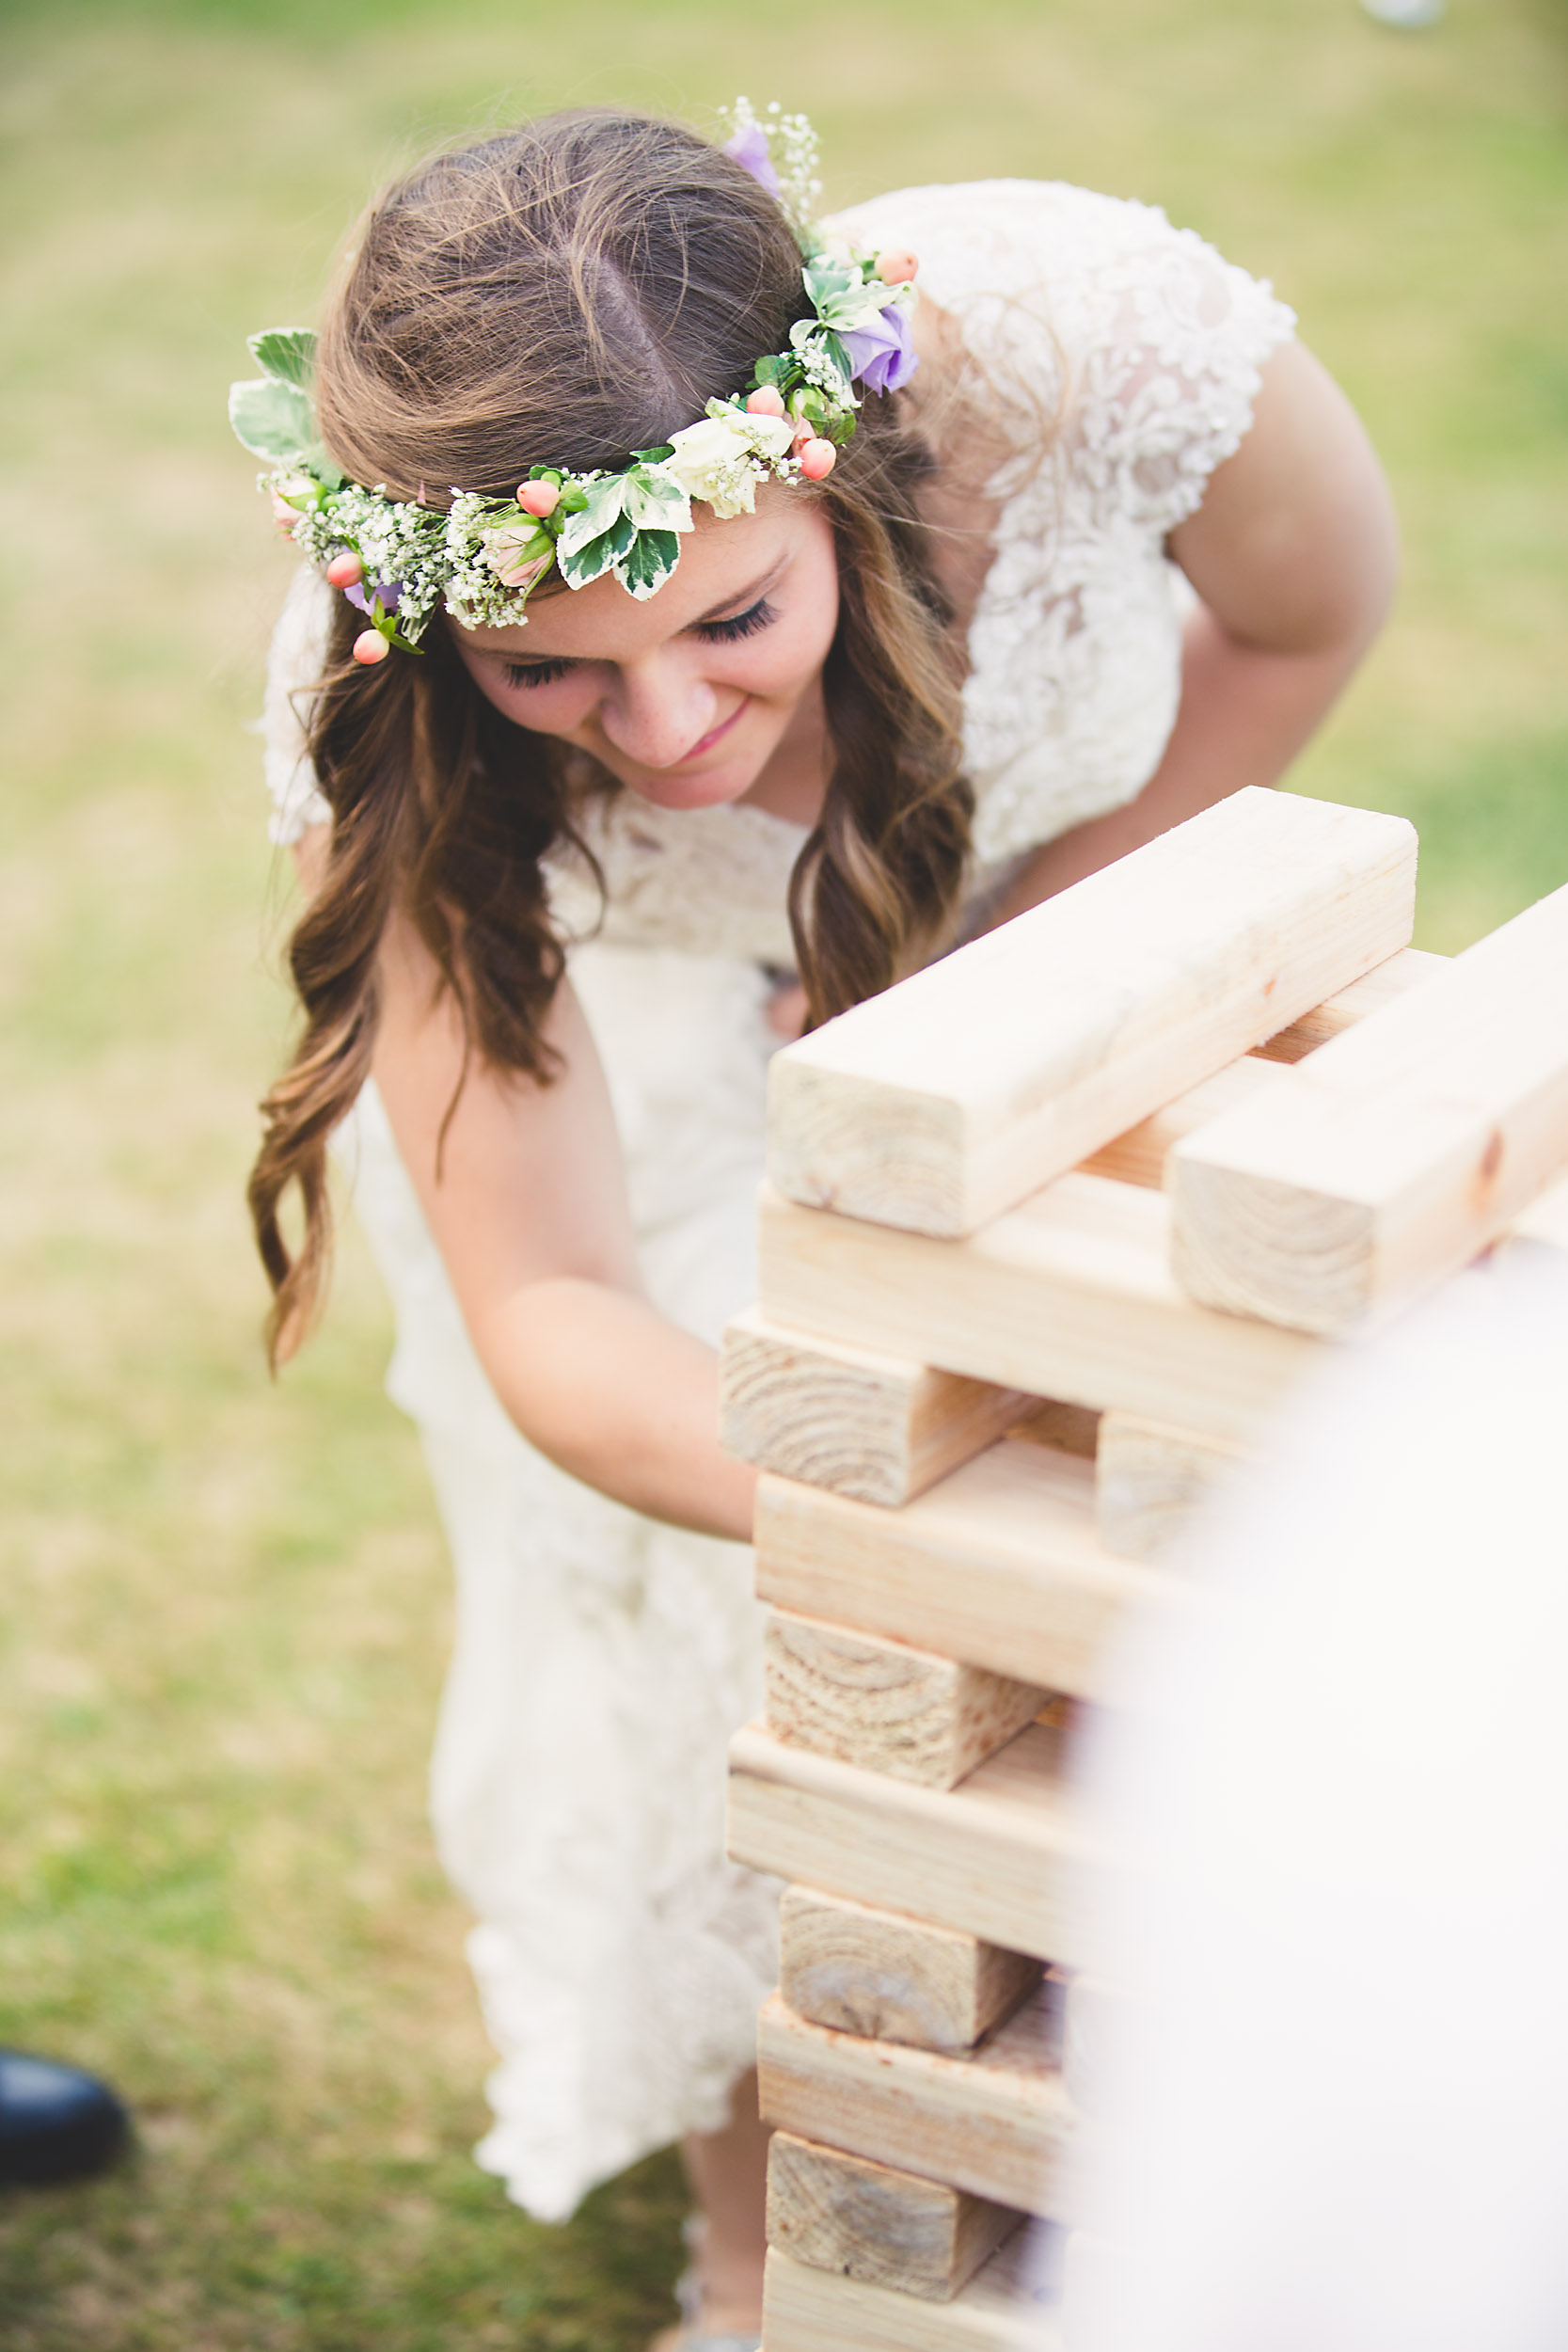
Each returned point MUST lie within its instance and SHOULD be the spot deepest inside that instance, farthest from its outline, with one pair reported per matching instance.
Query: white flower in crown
(717, 460)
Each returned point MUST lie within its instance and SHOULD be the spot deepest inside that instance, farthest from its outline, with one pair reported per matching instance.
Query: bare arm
(530, 1216)
(1294, 553)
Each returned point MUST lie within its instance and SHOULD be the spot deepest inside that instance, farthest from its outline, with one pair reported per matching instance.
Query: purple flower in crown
(751, 151)
(388, 590)
(883, 355)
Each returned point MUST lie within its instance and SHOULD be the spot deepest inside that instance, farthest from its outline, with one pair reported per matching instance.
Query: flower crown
(397, 559)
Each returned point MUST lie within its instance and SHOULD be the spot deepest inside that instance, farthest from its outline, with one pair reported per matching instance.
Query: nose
(657, 709)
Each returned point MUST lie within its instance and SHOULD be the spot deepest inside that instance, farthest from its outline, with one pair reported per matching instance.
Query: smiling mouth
(714, 734)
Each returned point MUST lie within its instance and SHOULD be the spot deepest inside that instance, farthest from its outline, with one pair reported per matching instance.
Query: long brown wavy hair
(567, 293)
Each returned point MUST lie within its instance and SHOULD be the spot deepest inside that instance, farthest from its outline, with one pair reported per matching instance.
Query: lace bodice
(1124, 355)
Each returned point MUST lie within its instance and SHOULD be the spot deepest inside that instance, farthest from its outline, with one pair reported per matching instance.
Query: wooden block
(870, 2221)
(1002, 1857)
(1395, 1152)
(1071, 1296)
(841, 1417)
(886, 1706)
(891, 1978)
(1379, 987)
(996, 2121)
(1148, 1479)
(1139, 1156)
(1001, 1565)
(1001, 2310)
(1066, 1428)
(947, 1099)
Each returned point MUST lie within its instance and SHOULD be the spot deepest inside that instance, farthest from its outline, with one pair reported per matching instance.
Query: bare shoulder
(1295, 544)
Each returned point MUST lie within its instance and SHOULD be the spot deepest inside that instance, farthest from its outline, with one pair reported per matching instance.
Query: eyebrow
(743, 598)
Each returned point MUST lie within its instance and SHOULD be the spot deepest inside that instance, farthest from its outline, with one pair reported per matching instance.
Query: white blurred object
(1406, 14)
(1336, 2108)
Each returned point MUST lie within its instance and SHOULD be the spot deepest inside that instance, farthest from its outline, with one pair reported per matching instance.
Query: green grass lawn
(225, 1603)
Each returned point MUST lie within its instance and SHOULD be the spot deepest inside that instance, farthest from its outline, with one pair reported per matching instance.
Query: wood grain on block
(1002, 1857)
(1149, 1478)
(1395, 1152)
(995, 2121)
(841, 1417)
(893, 1978)
(1001, 2310)
(1070, 1296)
(886, 1706)
(1001, 1565)
(872, 2222)
(952, 1096)
(1377, 988)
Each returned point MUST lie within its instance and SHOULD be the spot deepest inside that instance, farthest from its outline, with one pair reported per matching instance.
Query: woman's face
(690, 697)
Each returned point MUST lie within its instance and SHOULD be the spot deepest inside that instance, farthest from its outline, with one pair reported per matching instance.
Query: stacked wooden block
(1052, 1230)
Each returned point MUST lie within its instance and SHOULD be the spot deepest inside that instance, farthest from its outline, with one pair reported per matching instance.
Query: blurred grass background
(225, 1603)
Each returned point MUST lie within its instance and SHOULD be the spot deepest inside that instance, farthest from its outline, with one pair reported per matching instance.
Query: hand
(786, 1011)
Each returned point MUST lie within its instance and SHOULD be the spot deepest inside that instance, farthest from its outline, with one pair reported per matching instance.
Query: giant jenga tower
(1052, 1229)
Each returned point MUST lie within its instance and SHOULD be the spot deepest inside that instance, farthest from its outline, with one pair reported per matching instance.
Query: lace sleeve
(1124, 356)
(294, 661)
(1166, 387)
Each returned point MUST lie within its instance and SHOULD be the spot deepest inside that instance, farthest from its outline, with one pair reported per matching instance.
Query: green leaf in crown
(287, 353)
(648, 562)
(598, 535)
(272, 418)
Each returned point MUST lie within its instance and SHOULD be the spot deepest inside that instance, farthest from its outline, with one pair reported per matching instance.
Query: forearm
(1245, 712)
(598, 1380)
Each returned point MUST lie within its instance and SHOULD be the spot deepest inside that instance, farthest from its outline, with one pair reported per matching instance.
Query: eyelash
(757, 616)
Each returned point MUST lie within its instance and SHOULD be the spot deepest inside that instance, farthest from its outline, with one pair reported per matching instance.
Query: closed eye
(535, 673)
(758, 616)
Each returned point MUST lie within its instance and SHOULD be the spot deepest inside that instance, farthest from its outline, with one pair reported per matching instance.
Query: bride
(699, 632)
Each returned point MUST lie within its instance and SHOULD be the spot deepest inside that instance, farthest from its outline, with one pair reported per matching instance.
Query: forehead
(720, 563)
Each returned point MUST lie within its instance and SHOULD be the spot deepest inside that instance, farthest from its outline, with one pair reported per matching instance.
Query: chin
(698, 791)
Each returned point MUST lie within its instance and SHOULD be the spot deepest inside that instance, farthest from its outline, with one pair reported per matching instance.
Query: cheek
(787, 657)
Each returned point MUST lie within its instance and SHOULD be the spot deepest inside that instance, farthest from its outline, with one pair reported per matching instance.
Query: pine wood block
(886, 1706)
(1395, 1152)
(1066, 1428)
(1381, 986)
(1139, 1156)
(842, 1417)
(995, 2121)
(945, 1101)
(1001, 2310)
(1001, 1565)
(872, 2222)
(1148, 1479)
(891, 1978)
(1002, 1857)
(1070, 1296)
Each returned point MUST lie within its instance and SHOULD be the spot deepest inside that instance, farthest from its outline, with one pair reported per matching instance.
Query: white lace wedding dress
(601, 1660)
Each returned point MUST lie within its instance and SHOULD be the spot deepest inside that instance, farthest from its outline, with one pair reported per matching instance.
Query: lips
(715, 735)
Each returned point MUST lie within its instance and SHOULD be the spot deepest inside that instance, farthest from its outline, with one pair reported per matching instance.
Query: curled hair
(568, 294)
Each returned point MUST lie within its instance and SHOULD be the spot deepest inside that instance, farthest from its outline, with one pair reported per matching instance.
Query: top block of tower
(978, 1080)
